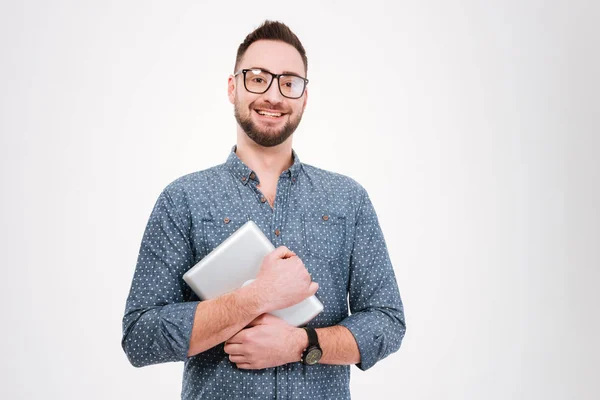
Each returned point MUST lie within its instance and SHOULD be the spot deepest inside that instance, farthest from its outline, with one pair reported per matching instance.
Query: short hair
(272, 30)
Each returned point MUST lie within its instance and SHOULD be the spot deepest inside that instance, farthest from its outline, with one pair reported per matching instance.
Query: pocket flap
(325, 234)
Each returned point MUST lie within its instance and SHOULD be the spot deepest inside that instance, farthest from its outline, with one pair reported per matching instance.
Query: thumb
(312, 289)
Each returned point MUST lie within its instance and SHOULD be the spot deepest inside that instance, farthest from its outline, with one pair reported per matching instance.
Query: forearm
(218, 319)
(281, 282)
(337, 343)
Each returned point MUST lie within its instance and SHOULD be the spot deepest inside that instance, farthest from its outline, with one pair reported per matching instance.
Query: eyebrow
(284, 72)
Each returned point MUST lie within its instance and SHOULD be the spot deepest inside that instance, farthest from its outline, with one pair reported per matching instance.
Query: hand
(267, 342)
(283, 280)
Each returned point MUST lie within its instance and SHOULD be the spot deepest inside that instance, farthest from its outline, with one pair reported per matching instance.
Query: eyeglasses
(258, 81)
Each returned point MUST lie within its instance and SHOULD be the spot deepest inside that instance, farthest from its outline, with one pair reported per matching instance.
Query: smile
(270, 114)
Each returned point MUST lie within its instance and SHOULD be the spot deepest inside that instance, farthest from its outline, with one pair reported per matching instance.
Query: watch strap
(313, 339)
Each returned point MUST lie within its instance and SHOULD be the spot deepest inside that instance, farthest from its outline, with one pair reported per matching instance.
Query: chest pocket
(218, 225)
(325, 234)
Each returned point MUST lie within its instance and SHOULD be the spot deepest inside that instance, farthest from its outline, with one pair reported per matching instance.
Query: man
(325, 230)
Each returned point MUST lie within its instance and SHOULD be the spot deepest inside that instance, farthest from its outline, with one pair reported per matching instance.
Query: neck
(265, 161)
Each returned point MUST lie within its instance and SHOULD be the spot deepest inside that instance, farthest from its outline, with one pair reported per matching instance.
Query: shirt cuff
(176, 323)
(370, 343)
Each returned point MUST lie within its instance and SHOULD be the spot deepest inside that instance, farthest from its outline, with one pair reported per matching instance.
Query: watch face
(313, 356)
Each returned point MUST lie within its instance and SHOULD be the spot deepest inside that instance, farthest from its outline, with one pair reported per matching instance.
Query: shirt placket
(277, 225)
(280, 204)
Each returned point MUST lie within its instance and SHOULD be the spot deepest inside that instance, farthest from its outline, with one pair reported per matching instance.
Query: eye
(288, 82)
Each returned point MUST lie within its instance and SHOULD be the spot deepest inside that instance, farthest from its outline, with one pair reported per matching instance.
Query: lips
(269, 113)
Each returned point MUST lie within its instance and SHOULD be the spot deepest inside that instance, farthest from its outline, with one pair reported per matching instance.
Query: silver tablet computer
(237, 261)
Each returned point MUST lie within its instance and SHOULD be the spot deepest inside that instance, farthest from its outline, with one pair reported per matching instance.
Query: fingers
(236, 339)
(233, 349)
(282, 252)
(235, 358)
(312, 289)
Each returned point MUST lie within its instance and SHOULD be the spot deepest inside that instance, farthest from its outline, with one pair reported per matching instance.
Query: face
(269, 119)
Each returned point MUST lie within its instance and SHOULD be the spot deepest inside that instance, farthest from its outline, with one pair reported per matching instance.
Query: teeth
(268, 114)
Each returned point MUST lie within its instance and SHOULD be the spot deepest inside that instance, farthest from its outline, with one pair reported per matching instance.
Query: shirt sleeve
(158, 322)
(377, 314)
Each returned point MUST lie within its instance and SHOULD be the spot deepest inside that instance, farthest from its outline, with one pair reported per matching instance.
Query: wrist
(252, 299)
(313, 353)
(300, 343)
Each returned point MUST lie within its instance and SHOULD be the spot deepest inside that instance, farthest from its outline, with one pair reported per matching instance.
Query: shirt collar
(242, 172)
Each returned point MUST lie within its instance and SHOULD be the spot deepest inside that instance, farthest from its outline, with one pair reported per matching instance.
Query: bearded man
(328, 241)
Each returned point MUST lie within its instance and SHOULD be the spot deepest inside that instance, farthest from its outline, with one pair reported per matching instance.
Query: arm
(270, 342)
(338, 345)
(377, 314)
(157, 321)
(218, 319)
(373, 331)
(160, 326)
(337, 342)
(281, 282)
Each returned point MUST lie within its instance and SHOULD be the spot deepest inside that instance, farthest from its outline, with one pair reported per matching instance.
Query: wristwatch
(312, 354)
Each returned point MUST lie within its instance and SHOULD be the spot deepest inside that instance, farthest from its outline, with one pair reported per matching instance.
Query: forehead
(273, 55)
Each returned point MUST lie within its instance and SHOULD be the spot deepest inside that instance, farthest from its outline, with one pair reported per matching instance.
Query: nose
(273, 95)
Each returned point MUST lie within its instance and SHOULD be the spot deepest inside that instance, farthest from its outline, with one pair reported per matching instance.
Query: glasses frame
(274, 76)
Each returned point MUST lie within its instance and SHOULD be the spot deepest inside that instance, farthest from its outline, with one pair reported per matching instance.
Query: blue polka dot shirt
(327, 219)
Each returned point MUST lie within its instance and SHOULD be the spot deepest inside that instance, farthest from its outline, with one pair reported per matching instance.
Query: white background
(473, 125)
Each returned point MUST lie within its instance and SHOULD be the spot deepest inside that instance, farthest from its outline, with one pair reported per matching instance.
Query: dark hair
(272, 30)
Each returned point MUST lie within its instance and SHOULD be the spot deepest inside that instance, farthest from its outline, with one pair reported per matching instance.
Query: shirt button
(263, 199)
(325, 217)
(243, 179)
(227, 220)
(277, 232)
(252, 176)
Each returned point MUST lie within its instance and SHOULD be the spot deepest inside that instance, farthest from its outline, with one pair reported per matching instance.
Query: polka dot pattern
(327, 219)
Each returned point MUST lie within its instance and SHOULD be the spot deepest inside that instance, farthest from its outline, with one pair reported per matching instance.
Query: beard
(267, 137)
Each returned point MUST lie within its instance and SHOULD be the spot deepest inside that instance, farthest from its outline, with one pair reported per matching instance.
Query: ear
(231, 89)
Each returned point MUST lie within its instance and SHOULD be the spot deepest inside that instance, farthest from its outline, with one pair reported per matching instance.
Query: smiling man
(328, 241)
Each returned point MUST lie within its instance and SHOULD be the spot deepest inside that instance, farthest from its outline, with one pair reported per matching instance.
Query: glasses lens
(291, 86)
(257, 81)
